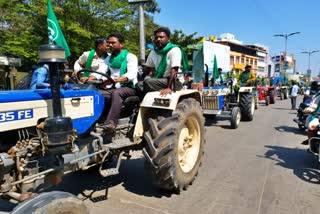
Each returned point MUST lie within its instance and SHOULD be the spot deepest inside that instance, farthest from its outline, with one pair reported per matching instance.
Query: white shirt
(314, 103)
(173, 60)
(98, 64)
(132, 69)
(307, 92)
(294, 91)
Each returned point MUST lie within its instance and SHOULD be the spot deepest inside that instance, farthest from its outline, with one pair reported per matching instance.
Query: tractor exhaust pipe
(58, 129)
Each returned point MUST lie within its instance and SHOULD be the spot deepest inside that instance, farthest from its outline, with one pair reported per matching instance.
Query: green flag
(54, 31)
(215, 68)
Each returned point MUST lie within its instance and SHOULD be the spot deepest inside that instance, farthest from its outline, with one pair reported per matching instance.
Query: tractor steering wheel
(96, 82)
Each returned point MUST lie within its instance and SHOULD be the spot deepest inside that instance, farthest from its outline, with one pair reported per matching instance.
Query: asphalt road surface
(259, 168)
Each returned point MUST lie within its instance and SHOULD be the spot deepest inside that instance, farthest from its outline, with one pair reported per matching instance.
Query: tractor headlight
(162, 102)
(214, 92)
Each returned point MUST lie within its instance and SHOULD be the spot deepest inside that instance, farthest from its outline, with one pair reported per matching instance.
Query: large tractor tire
(52, 203)
(271, 95)
(247, 106)
(235, 117)
(175, 147)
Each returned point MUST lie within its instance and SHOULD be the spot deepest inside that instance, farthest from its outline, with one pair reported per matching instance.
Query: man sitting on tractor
(163, 64)
(247, 77)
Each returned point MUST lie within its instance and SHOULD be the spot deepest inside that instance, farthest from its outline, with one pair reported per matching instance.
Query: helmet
(315, 86)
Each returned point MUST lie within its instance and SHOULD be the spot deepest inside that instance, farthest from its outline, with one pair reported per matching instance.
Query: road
(259, 168)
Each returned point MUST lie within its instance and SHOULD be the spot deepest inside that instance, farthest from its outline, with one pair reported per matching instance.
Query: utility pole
(309, 55)
(141, 27)
(284, 67)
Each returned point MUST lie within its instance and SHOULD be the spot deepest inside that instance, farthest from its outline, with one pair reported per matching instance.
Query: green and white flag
(54, 31)
(215, 68)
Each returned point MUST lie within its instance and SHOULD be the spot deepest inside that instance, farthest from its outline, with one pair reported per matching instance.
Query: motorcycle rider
(312, 121)
(310, 93)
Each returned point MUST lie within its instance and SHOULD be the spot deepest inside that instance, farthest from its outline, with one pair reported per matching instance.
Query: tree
(23, 25)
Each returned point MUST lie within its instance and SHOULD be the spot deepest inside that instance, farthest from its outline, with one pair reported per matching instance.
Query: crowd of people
(110, 57)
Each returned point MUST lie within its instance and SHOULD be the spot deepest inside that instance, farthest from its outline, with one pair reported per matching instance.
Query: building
(256, 55)
(240, 56)
(263, 59)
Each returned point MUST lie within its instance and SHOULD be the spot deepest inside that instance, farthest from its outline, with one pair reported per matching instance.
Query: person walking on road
(293, 95)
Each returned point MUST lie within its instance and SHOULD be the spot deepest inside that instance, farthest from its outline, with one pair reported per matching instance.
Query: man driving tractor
(247, 76)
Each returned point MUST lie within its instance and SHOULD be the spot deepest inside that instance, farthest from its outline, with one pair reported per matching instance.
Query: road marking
(141, 205)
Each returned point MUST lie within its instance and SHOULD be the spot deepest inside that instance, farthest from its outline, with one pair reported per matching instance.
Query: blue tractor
(45, 134)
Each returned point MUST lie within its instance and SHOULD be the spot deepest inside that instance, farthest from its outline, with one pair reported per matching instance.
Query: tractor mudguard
(153, 100)
(24, 108)
(246, 89)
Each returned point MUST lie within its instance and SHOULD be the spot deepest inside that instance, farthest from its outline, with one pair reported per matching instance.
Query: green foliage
(23, 25)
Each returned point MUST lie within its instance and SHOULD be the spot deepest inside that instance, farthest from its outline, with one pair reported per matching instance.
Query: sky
(251, 21)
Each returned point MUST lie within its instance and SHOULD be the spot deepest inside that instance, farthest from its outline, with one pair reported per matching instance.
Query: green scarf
(89, 62)
(244, 77)
(120, 62)
(163, 62)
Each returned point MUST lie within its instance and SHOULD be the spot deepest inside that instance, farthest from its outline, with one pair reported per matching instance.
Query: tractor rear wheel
(247, 106)
(235, 117)
(175, 146)
(52, 203)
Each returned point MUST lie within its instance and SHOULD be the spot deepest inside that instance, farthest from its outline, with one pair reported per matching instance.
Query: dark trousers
(113, 102)
(293, 102)
(153, 84)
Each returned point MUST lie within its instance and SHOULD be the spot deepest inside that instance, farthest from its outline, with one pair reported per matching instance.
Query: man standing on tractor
(93, 60)
(163, 64)
(247, 76)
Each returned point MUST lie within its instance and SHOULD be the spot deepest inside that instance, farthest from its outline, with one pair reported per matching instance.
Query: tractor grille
(210, 102)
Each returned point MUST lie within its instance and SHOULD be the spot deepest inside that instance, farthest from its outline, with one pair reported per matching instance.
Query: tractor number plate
(8, 116)
(207, 111)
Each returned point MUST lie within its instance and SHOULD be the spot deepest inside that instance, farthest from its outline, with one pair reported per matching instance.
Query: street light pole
(142, 34)
(309, 56)
(141, 27)
(285, 50)
(309, 53)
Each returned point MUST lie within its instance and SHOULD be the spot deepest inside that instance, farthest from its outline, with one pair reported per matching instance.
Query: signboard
(9, 61)
(222, 53)
(205, 56)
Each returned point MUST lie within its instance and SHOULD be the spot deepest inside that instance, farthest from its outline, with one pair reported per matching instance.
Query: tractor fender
(148, 103)
(246, 89)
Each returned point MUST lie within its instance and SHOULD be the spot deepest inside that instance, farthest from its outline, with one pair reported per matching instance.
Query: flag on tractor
(215, 68)
(54, 31)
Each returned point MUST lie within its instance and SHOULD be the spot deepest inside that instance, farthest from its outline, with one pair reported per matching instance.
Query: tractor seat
(132, 100)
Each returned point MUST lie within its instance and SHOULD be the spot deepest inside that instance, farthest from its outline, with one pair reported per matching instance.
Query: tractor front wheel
(235, 117)
(247, 106)
(52, 203)
(271, 95)
(267, 100)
